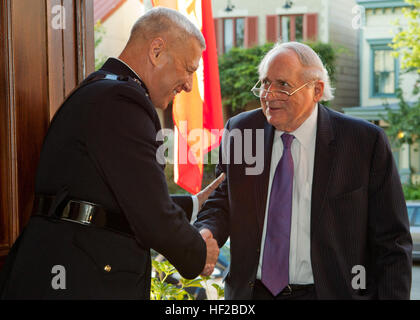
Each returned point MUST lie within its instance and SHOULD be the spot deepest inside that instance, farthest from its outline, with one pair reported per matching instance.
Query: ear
(156, 48)
(319, 90)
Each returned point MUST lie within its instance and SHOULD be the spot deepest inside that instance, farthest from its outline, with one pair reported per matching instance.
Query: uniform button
(258, 250)
(107, 268)
(251, 284)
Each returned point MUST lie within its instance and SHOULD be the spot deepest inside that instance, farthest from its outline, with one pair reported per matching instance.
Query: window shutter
(251, 32)
(310, 26)
(218, 30)
(292, 31)
(272, 22)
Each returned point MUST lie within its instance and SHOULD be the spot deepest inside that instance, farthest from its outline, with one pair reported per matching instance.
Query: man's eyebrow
(277, 81)
(280, 80)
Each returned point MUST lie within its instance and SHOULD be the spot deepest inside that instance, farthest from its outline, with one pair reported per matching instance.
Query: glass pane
(416, 222)
(384, 73)
(410, 211)
(240, 30)
(285, 28)
(389, 59)
(299, 28)
(228, 36)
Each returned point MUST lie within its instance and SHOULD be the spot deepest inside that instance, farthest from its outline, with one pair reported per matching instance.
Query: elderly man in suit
(102, 201)
(326, 218)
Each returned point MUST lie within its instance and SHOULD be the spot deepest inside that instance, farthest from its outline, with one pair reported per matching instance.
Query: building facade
(381, 75)
(246, 23)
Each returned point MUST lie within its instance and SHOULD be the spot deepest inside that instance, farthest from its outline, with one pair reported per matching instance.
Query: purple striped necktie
(275, 266)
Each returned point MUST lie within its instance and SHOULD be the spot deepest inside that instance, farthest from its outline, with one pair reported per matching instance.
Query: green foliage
(239, 72)
(411, 191)
(99, 32)
(162, 290)
(219, 289)
(406, 43)
(404, 123)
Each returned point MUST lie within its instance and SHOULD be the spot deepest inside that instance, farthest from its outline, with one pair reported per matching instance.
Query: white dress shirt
(303, 154)
(195, 208)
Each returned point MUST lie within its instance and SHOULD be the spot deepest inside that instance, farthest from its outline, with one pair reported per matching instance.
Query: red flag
(197, 115)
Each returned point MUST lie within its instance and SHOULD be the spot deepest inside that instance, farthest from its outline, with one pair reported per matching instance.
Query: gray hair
(314, 70)
(159, 20)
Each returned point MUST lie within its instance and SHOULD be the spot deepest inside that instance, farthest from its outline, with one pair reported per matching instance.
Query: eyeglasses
(277, 94)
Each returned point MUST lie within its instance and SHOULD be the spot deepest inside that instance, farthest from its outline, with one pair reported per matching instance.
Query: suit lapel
(325, 150)
(261, 185)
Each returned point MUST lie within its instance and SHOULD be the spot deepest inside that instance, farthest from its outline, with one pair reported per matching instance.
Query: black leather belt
(290, 288)
(82, 212)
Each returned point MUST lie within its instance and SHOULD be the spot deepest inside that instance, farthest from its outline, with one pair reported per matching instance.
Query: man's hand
(212, 252)
(204, 194)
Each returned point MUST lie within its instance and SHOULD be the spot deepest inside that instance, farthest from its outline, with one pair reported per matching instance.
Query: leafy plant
(220, 291)
(411, 191)
(406, 43)
(161, 289)
(404, 123)
(238, 73)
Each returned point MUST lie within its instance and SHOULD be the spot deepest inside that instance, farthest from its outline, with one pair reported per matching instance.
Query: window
(296, 27)
(228, 34)
(416, 219)
(233, 33)
(240, 32)
(410, 211)
(291, 28)
(384, 71)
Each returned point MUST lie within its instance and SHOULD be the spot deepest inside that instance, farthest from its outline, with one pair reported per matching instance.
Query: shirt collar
(306, 133)
(120, 68)
(135, 73)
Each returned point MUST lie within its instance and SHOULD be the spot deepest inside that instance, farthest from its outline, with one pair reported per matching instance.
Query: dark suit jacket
(358, 212)
(101, 147)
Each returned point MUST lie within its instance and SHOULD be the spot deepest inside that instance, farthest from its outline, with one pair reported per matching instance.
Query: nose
(267, 95)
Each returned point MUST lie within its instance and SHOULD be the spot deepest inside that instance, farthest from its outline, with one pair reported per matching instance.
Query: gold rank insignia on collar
(141, 84)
